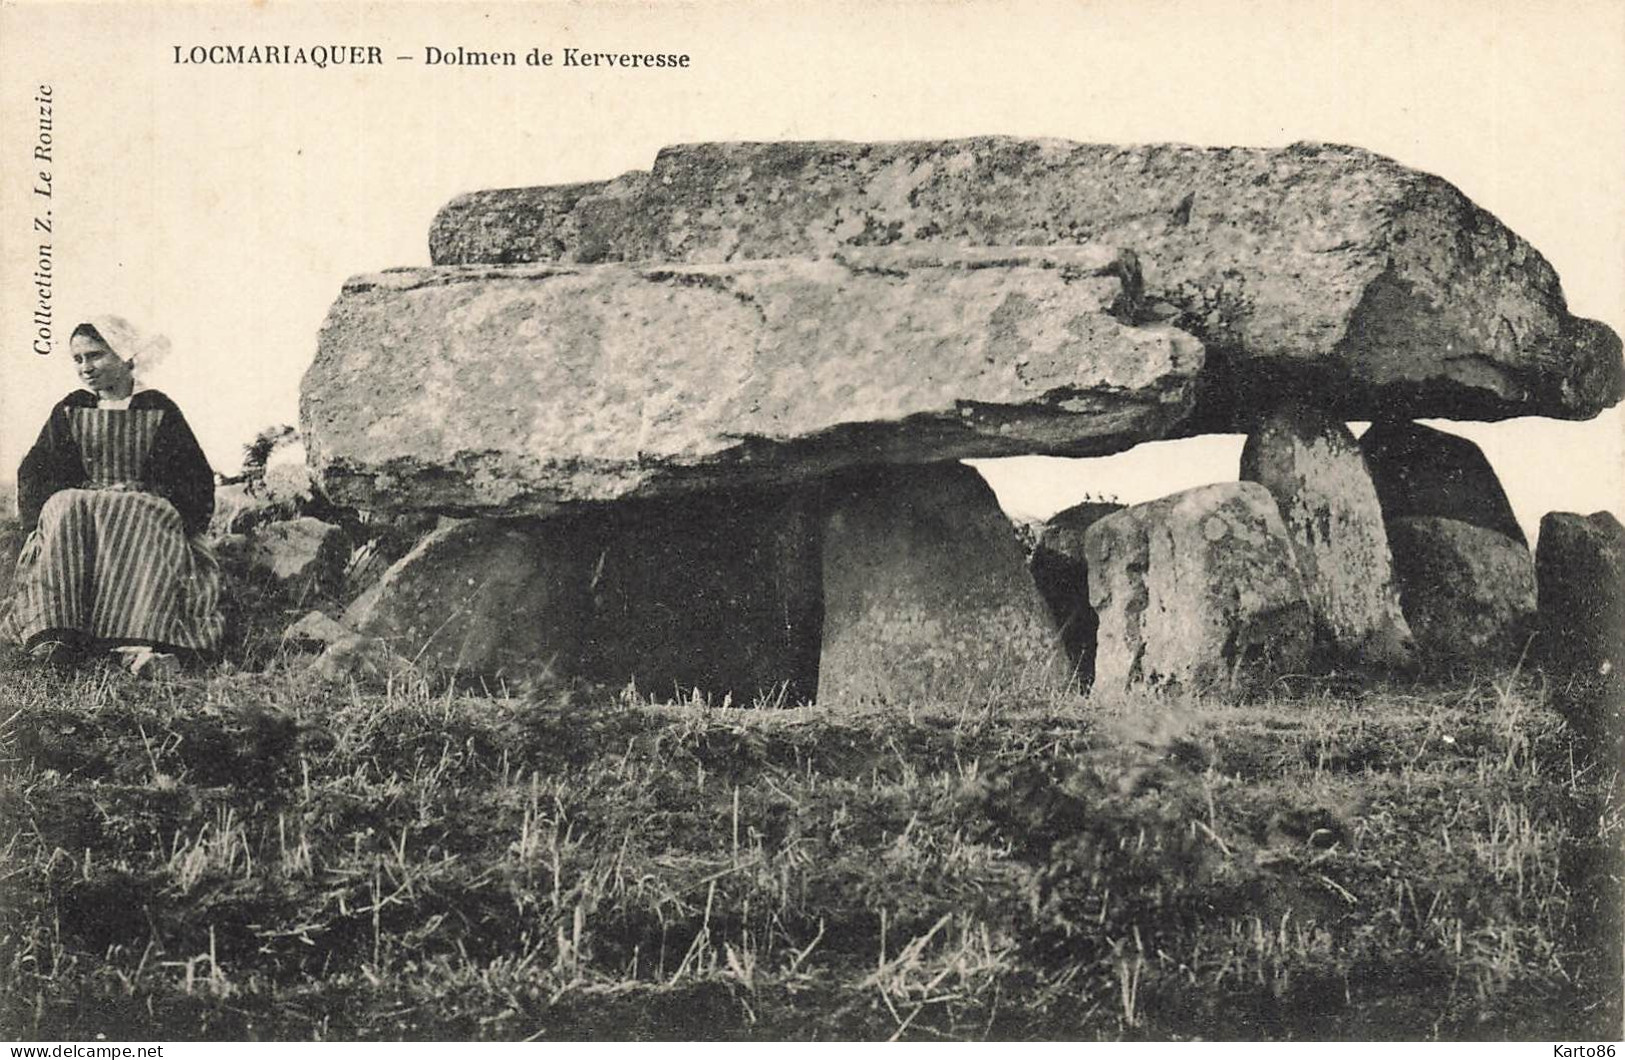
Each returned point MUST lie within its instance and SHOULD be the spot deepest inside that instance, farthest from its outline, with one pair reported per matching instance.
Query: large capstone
(1420, 471)
(714, 594)
(1312, 466)
(1060, 569)
(927, 597)
(1317, 270)
(1195, 589)
(1468, 592)
(523, 390)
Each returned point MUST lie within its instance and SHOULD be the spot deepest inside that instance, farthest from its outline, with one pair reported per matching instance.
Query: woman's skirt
(116, 565)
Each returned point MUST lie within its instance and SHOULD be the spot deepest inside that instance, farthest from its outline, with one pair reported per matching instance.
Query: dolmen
(701, 425)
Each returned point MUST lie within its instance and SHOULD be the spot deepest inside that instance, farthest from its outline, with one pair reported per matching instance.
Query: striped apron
(111, 560)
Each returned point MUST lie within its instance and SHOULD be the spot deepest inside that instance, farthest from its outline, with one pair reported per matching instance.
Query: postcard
(659, 335)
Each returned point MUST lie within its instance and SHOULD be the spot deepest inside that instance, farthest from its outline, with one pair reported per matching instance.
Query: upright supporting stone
(1580, 568)
(1468, 592)
(1419, 471)
(1061, 572)
(1196, 588)
(926, 596)
(1312, 466)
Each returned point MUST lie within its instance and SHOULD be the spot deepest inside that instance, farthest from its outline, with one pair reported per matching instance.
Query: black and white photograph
(926, 520)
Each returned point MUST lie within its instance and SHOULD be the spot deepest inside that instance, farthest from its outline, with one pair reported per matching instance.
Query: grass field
(250, 855)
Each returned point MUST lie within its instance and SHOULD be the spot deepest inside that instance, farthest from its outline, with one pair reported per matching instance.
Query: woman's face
(99, 367)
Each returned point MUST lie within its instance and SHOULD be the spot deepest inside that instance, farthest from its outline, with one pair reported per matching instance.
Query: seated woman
(115, 495)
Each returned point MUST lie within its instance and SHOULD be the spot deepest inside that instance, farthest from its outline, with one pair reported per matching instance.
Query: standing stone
(1580, 568)
(1195, 588)
(1316, 268)
(1468, 592)
(1419, 471)
(527, 389)
(715, 593)
(1061, 571)
(926, 595)
(1313, 468)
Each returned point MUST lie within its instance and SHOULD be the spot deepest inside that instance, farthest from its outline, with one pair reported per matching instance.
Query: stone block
(926, 595)
(1196, 590)
(527, 390)
(1317, 270)
(1468, 592)
(1312, 466)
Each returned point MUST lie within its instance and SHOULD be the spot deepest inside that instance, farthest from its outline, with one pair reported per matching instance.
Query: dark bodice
(147, 446)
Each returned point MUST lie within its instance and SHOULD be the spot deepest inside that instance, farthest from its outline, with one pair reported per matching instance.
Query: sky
(225, 205)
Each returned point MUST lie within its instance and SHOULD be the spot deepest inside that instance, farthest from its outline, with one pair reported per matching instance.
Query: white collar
(120, 403)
